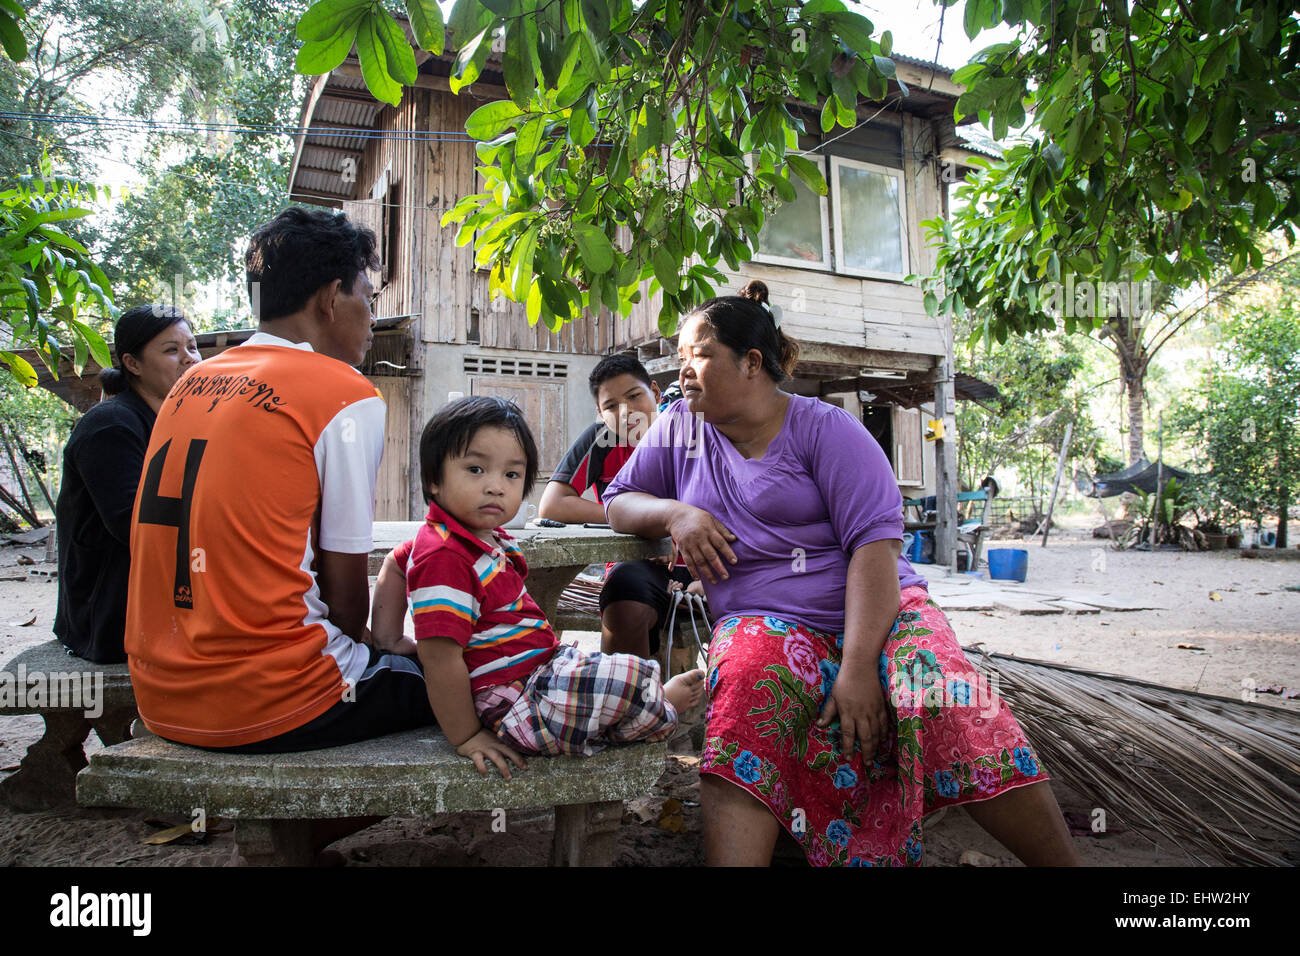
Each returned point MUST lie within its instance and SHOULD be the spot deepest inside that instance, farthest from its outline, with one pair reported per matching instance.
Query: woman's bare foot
(685, 690)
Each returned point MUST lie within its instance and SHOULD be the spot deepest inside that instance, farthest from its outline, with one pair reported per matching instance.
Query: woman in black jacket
(102, 463)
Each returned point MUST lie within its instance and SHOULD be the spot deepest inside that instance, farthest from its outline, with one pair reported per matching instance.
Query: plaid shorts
(578, 703)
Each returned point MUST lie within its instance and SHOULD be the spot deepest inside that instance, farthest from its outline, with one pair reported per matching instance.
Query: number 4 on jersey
(174, 512)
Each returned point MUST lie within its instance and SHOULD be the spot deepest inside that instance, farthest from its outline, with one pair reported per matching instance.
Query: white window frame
(840, 162)
(825, 264)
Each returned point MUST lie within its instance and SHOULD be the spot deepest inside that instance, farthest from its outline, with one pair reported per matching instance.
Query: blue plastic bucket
(922, 548)
(1008, 564)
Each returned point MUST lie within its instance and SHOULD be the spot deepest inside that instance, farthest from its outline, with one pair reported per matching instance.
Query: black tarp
(1140, 476)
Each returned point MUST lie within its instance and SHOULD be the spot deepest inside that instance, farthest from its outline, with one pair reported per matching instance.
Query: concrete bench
(74, 697)
(273, 798)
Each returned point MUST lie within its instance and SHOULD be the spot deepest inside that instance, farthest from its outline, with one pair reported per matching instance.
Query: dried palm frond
(1161, 759)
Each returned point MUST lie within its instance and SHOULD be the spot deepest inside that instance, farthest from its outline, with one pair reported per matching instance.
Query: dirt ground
(1242, 616)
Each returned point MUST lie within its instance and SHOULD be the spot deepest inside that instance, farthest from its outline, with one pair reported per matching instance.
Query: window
(798, 233)
(870, 219)
(383, 198)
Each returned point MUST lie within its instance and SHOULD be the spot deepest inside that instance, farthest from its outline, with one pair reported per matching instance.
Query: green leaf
(492, 119)
(316, 57)
(1196, 123)
(374, 65)
(521, 262)
(517, 67)
(323, 21)
(1054, 156)
(885, 65)
(965, 74)
(1093, 144)
(397, 49)
(581, 132)
(15, 45)
(665, 269)
(886, 43)
(597, 251)
(1226, 119)
(94, 342)
(1113, 103)
(470, 57)
(468, 18)
(647, 131)
(853, 28)
(20, 369)
(931, 304)
(529, 141)
(809, 172)
(828, 115)
(596, 15)
(426, 24)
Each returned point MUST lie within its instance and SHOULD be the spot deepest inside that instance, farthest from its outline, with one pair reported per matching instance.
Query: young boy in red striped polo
(499, 681)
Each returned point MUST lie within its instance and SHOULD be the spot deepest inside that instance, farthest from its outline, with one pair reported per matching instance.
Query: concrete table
(554, 555)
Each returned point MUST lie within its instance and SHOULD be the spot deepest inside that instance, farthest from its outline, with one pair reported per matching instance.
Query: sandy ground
(1250, 636)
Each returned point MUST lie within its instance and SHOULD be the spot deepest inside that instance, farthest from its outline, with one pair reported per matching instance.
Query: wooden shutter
(542, 403)
(908, 465)
(393, 489)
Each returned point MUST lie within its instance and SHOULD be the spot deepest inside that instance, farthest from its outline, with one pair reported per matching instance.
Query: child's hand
(696, 587)
(487, 744)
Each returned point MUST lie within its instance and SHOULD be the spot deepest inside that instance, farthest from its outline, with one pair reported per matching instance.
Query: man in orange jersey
(248, 596)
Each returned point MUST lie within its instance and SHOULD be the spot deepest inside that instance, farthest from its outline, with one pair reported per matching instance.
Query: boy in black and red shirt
(635, 599)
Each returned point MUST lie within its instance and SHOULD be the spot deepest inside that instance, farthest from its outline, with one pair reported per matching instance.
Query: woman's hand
(702, 541)
(486, 744)
(858, 700)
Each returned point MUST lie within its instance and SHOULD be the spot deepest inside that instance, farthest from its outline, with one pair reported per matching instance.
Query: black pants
(390, 696)
(644, 582)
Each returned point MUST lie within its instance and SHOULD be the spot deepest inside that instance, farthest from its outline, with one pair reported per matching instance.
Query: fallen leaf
(24, 559)
(1104, 623)
(169, 835)
(1158, 582)
(1281, 691)
(670, 816)
(1188, 647)
(27, 623)
(1216, 596)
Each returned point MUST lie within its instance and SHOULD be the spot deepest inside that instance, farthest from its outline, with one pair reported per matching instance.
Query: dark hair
(297, 252)
(612, 366)
(454, 426)
(743, 322)
(135, 329)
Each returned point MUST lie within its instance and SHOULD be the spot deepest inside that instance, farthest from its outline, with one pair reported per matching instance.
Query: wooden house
(835, 266)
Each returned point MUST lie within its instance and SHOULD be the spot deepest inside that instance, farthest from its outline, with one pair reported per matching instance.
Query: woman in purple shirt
(841, 706)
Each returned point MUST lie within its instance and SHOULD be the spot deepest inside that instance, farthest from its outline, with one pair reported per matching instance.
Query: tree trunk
(1126, 333)
(1134, 387)
(1283, 508)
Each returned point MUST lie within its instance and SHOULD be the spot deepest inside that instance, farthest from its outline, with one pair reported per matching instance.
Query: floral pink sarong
(952, 739)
